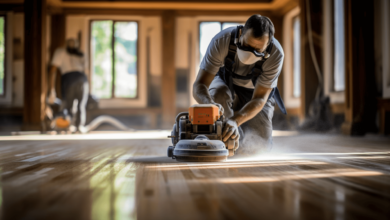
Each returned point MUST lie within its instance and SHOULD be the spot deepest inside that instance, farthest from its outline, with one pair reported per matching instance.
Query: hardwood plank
(307, 176)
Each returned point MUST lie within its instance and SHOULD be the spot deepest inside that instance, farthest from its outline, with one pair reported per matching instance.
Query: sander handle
(181, 114)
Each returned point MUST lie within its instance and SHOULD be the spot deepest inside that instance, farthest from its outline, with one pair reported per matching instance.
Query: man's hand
(230, 130)
(221, 109)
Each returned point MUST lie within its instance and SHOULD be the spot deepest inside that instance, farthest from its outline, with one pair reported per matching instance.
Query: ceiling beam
(173, 5)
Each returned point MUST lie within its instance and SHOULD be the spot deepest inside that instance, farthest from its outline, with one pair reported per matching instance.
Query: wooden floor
(126, 176)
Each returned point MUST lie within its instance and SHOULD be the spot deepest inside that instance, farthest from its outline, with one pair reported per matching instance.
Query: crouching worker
(74, 84)
(239, 74)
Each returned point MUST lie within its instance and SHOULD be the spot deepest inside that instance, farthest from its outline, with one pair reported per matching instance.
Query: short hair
(260, 26)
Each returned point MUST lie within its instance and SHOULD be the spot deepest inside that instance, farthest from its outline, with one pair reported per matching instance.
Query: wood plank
(336, 177)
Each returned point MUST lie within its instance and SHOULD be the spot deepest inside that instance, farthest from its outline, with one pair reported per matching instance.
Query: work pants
(255, 134)
(74, 86)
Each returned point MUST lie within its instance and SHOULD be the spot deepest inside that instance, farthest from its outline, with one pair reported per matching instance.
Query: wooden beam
(34, 64)
(360, 89)
(156, 12)
(105, 11)
(168, 87)
(309, 78)
(303, 18)
(12, 7)
(177, 1)
(275, 5)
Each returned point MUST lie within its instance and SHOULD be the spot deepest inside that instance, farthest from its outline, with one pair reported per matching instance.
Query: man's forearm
(201, 94)
(250, 110)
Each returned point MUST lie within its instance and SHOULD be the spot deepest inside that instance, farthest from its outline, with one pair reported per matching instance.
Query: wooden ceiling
(276, 7)
(177, 1)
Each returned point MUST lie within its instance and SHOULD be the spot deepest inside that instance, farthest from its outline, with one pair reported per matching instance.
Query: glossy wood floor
(126, 176)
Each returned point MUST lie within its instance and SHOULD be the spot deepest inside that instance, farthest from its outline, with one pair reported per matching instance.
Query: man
(239, 74)
(74, 83)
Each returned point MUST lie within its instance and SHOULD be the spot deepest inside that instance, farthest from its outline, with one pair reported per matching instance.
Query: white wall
(148, 27)
(7, 99)
(335, 97)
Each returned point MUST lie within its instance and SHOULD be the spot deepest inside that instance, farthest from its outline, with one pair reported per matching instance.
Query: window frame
(336, 97)
(333, 49)
(292, 103)
(4, 95)
(292, 55)
(113, 58)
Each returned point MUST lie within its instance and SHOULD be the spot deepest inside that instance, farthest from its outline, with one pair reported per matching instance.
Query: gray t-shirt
(218, 50)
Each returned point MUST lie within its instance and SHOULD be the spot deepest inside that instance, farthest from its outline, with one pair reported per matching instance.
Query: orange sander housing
(197, 135)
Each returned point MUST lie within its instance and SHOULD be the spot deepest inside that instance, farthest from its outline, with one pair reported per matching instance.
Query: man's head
(71, 43)
(72, 46)
(257, 32)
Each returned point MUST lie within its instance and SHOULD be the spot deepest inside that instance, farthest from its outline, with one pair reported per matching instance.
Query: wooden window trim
(328, 58)
(5, 58)
(333, 50)
(292, 55)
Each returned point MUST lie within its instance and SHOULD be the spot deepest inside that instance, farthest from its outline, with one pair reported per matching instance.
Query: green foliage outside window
(101, 37)
(125, 59)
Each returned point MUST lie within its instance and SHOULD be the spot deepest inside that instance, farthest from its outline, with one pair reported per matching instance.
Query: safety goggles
(248, 48)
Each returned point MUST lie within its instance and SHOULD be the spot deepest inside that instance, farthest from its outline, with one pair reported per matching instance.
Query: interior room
(103, 109)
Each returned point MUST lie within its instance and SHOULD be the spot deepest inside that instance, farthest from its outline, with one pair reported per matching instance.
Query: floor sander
(197, 136)
(61, 121)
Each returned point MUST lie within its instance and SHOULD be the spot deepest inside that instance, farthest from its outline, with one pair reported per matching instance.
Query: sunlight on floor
(107, 135)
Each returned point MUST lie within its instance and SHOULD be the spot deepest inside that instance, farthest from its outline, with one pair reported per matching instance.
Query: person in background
(74, 83)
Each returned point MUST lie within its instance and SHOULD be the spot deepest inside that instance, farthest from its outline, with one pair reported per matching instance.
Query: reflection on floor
(126, 176)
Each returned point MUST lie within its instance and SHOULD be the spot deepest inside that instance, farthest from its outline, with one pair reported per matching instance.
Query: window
(339, 47)
(296, 57)
(207, 30)
(2, 55)
(114, 59)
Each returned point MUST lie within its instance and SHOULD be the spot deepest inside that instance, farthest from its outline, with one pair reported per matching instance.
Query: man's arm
(52, 81)
(200, 90)
(52, 77)
(254, 106)
(250, 110)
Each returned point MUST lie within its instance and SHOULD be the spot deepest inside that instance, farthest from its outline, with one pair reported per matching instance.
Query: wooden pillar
(34, 64)
(360, 101)
(168, 87)
(309, 79)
